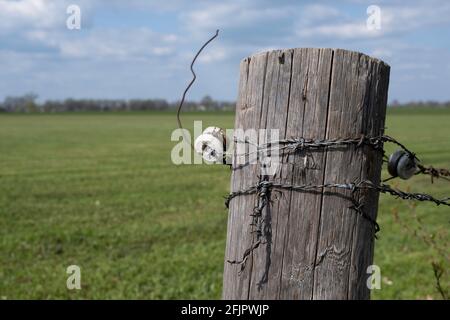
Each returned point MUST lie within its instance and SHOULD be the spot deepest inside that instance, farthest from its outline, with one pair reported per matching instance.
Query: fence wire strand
(264, 187)
(194, 77)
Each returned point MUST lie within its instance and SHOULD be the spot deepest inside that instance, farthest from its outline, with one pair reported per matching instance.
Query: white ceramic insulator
(210, 144)
(406, 167)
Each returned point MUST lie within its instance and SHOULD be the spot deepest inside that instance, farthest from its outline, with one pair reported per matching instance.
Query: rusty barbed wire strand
(433, 172)
(299, 144)
(257, 223)
(365, 184)
(264, 188)
(377, 143)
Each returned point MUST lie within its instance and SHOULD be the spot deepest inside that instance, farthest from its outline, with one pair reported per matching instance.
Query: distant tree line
(28, 104)
(420, 104)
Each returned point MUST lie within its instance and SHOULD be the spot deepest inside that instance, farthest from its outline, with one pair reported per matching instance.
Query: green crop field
(100, 191)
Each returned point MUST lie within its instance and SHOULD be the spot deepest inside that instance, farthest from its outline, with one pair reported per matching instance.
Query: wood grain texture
(317, 248)
(249, 104)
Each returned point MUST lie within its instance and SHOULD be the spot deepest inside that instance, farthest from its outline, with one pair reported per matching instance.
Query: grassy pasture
(100, 191)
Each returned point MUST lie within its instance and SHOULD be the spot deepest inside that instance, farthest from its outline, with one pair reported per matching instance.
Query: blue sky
(142, 49)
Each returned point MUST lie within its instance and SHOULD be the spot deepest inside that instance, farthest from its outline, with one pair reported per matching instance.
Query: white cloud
(161, 51)
(41, 23)
(37, 14)
(328, 22)
(12, 62)
(34, 13)
(233, 15)
(413, 66)
(408, 18)
(215, 55)
(170, 38)
(318, 12)
(129, 44)
(352, 30)
(154, 5)
(382, 53)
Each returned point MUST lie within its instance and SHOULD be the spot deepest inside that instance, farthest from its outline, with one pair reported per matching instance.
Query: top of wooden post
(377, 60)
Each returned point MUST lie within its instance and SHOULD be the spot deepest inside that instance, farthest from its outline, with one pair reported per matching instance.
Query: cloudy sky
(142, 49)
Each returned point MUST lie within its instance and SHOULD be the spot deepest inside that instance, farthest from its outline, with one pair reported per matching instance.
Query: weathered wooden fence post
(315, 245)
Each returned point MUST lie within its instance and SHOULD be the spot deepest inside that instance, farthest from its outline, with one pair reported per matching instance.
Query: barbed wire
(299, 144)
(434, 172)
(365, 184)
(302, 143)
(263, 190)
(264, 187)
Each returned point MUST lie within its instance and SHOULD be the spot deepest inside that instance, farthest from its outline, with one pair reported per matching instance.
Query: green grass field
(100, 191)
